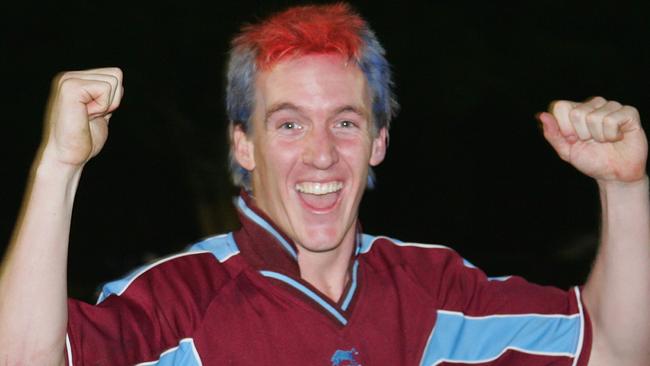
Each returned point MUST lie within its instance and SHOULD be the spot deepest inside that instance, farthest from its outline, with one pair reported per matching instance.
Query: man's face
(310, 148)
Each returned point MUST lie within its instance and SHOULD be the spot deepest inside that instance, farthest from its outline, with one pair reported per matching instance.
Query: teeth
(319, 188)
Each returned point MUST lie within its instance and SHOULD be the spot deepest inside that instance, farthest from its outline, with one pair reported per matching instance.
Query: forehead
(316, 83)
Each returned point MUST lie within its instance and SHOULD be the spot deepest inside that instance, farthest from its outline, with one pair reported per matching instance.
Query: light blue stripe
(353, 286)
(290, 281)
(458, 338)
(222, 247)
(184, 355)
(366, 242)
(266, 226)
(118, 286)
(359, 242)
(468, 264)
(499, 278)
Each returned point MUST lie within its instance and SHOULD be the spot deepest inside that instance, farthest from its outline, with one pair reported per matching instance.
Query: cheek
(356, 152)
(279, 156)
(359, 142)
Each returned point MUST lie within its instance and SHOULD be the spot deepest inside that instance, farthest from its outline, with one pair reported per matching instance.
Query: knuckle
(67, 85)
(612, 104)
(631, 110)
(609, 120)
(597, 100)
(116, 73)
(114, 83)
(577, 113)
(557, 106)
(552, 106)
(593, 118)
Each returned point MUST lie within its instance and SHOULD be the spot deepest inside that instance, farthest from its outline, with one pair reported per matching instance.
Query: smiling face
(310, 148)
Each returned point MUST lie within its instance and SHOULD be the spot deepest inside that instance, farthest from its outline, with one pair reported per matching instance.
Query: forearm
(617, 293)
(33, 289)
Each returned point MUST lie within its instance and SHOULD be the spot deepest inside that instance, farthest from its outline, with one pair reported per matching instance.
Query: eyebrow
(360, 111)
(288, 106)
(281, 107)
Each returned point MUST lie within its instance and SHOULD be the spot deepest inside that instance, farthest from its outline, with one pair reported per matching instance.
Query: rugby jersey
(238, 299)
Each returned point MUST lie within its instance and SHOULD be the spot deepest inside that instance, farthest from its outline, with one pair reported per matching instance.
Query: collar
(264, 245)
(270, 252)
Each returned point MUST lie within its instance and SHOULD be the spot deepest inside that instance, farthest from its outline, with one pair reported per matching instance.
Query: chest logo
(345, 358)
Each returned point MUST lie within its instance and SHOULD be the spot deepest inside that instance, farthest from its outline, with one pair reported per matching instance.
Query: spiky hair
(300, 31)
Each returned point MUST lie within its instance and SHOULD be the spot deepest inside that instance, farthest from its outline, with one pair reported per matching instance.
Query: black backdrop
(467, 165)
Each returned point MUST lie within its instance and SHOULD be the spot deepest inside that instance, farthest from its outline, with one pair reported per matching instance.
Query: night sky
(467, 165)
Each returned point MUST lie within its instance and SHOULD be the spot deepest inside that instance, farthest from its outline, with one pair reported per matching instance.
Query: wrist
(55, 174)
(616, 185)
(47, 163)
(624, 194)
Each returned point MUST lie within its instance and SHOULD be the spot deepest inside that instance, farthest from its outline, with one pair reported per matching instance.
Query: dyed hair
(299, 31)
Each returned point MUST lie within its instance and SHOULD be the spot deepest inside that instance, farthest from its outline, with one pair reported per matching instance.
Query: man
(310, 105)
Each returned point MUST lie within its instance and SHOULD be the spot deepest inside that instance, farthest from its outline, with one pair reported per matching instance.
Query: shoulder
(435, 267)
(397, 252)
(460, 286)
(205, 264)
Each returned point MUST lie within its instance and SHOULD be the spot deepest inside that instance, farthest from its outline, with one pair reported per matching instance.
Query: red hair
(311, 29)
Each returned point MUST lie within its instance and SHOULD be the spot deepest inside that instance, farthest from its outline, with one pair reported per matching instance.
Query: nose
(320, 149)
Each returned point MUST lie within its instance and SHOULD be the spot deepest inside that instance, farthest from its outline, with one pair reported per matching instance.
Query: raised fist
(601, 138)
(80, 105)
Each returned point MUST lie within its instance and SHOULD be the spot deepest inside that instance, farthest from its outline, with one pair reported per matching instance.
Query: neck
(328, 271)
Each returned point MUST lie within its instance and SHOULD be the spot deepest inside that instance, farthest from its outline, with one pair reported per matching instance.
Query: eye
(347, 124)
(290, 125)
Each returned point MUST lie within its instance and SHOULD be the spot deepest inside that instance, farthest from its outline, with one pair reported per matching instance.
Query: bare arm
(33, 289)
(605, 140)
(618, 290)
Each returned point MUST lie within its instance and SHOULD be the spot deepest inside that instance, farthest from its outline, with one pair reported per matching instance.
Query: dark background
(467, 166)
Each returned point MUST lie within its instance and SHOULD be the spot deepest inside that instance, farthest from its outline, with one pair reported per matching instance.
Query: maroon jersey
(238, 299)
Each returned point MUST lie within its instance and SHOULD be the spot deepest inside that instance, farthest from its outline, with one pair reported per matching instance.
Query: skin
(33, 288)
(601, 139)
(311, 123)
(605, 140)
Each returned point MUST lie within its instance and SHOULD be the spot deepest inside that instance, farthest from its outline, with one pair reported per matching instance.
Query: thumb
(553, 135)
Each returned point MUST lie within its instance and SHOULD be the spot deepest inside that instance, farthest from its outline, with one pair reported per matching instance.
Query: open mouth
(319, 196)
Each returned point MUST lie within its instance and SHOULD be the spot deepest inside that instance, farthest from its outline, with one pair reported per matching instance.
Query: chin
(319, 242)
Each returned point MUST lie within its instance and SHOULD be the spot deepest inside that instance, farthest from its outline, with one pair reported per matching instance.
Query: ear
(243, 148)
(379, 146)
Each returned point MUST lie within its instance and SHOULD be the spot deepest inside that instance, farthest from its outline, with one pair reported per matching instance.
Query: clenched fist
(601, 138)
(80, 105)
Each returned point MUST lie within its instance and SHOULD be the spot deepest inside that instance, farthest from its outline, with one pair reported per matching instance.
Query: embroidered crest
(345, 358)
